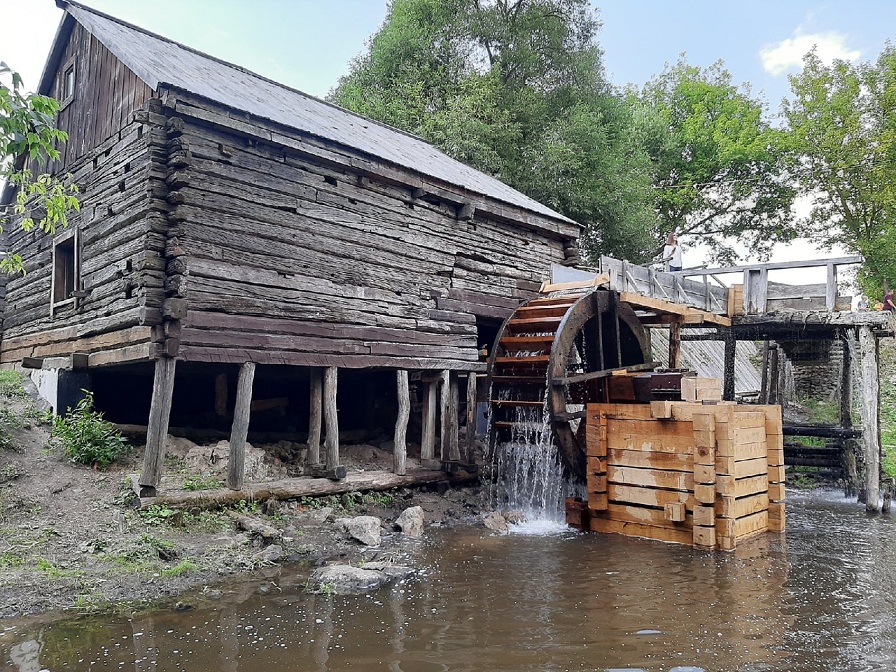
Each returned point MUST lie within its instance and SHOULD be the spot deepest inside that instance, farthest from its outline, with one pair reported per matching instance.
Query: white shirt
(673, 254)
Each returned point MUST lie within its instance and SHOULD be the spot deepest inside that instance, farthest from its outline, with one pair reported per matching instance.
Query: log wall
(294, 260)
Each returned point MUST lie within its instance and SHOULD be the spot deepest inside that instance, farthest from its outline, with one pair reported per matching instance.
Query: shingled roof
(159, 61)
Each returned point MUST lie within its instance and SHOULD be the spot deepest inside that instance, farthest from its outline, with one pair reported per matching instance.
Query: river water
(820, 597)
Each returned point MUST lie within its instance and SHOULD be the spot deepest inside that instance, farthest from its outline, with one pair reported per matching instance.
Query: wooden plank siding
(293, 261)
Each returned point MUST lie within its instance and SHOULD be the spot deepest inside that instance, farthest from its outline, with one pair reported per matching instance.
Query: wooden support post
(453, 425)
(675, 345)
(763, 390)
(240, 428)
(830, 294)
(221, 395)
(730, 356)
(428, 439)
(471, 418)
(157, 427)
(773, 375)
(315, 415)
(868, 350)
(331, 443)
(400, 449)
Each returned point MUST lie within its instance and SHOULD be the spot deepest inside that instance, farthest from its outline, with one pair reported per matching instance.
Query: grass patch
(11, 385)
(202, 483)
(888, 405)
(180, 569)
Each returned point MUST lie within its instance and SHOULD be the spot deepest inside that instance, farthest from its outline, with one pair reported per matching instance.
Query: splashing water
(529, 474)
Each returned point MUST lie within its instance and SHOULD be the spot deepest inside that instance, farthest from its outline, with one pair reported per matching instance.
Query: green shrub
(85, 437)
(202, 483)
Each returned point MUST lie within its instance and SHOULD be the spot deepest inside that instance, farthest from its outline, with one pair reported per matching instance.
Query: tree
(720, 167)
(514, 88)
(843, 121)
(28, 135)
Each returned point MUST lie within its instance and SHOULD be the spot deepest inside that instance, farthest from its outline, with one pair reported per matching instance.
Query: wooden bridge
(750, 306)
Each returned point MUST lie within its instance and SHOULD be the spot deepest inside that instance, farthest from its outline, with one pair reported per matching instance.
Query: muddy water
(821, 597)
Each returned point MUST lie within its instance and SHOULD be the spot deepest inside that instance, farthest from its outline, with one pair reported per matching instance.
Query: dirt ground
(71, 537)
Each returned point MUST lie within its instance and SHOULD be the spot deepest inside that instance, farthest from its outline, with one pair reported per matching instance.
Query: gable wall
(106, 96)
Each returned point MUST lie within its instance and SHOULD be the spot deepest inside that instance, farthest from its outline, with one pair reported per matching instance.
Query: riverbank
(72, 539)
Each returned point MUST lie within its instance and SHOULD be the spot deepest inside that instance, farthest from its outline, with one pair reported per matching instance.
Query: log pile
(711, 475)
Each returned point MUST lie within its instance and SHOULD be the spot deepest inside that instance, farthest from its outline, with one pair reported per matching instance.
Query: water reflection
(819, 598)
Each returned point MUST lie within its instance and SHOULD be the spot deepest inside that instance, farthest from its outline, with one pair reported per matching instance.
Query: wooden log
(763, 388)
(293, 488)
(400, 449)
(157, 430)
(331, 443)
(471, 418)
(240, 427)
(428, 439)
(773, 376)
(315, 415)
(868, 351)
(221, 395)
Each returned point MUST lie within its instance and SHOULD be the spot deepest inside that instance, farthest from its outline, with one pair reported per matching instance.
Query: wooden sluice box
(711, 475)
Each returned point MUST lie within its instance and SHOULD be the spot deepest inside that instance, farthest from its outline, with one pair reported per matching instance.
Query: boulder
(345, 579)
(315, 516)
(270, 555)
(514, 517)
(410, 522)
(495, 521)
(365, 529)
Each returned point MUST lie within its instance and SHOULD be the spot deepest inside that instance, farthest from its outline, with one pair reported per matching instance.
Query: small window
(65, 269)
(67, 83)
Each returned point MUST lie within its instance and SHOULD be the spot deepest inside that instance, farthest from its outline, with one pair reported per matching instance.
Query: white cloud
(778, 58)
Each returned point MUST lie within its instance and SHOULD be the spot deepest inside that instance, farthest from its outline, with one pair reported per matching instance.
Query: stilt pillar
(240, 428)
(428, 438)
(471, 418)
(315, 418)
(868, 349)
(331, 443)
(400, 449)
(157, 427)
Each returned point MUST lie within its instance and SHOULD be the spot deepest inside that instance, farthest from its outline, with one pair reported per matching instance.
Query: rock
(270, 555)
(315, 516)
(183, 606)
(345, 579)
(254, 526)
(396, 572)
(410, 522)
(365, 529)
(514, 517)
(264, 589)
(495, 521)
(213, 594)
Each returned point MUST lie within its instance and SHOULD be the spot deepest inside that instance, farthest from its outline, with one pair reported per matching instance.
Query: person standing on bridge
(888, 301)
(672, 253)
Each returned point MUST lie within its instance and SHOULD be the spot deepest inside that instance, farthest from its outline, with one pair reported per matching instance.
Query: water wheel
(555, 353)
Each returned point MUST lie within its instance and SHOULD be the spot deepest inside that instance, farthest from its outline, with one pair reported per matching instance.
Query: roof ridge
(63, 3)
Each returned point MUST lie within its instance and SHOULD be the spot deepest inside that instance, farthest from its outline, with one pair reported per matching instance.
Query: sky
(308, 44)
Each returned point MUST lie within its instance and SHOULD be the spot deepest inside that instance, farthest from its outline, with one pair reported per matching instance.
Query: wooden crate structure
(710, 475)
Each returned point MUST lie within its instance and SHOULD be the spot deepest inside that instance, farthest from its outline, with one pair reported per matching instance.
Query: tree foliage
(843, 123)
(514, 88)
(720, 167)
(28, 132)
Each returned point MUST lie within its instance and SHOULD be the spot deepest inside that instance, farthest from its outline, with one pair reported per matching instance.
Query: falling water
(528, 473)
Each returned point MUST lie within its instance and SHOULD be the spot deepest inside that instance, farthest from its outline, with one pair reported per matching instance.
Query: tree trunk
(316, 415)
(400, 449)
(157, 429)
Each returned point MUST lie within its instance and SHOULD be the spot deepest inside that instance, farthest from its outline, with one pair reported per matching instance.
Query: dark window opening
(64, 269)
